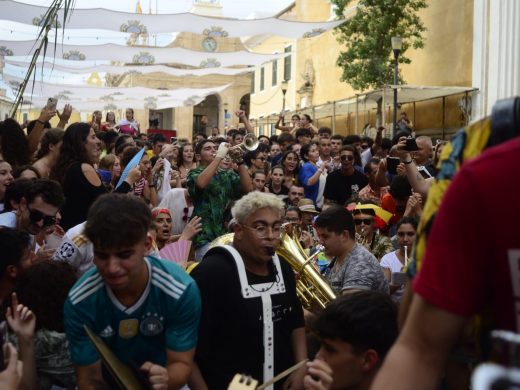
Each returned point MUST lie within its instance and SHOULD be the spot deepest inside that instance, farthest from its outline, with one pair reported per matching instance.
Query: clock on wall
(209, 44)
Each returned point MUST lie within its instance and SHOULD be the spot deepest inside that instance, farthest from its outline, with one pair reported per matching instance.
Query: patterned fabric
(465, 145)
(139, 187)
(360, 271)
(367, 193)
(211, 202)
(380, 245)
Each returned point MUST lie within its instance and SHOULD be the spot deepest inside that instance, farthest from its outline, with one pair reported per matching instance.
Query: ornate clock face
(209, 44)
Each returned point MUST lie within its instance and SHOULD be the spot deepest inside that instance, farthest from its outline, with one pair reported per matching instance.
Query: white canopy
(75, 67)
(142, 54)
(159, 23)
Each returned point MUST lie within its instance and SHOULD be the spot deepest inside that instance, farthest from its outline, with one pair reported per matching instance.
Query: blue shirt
(311, 191)
(166, 316)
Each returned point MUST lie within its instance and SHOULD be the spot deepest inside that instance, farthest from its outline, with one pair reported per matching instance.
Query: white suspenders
(263, 291)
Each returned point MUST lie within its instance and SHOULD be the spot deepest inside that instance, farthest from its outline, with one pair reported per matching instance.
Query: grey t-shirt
(360, 271)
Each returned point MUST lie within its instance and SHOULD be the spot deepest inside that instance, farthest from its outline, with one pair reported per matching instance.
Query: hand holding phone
(51, 104)
(391, 164)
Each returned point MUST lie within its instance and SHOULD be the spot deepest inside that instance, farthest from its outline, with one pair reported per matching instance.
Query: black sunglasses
(344, 157)
(37, 216)
(366, 221)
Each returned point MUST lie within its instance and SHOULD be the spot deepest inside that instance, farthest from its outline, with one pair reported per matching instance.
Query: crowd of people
(86, 209)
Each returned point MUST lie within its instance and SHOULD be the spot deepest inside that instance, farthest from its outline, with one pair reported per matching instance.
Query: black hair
(351, 139)
(364, 319)
(257, 172)
(337, 136)
(266, 137)
(13, 143)
(51, 137)
(273, 139)
(15, 192)
(31, 124)
(368, 140)
(72, 149)
(128, 155)
(386, 144)
(200, 145)
(336, 219)
(56, 278)
(399, 134)
(158, 137)
(400, 188)
(17, 171)
(294, 208)
(325, 129)
(49, 190)
(121, 140)
(239, 132)
(13, 244)
(231, 132)
(304, 151)
(407, 220)
(111, 225)
(309, 119)
(302, 132)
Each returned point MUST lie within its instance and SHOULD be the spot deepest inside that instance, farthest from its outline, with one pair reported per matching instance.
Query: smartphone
(173, 140)
(3, 342)
(411, 145)
(391, 164)
(52, 104)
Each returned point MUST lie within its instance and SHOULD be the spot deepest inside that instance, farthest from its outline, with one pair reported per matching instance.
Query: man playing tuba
(252, 320)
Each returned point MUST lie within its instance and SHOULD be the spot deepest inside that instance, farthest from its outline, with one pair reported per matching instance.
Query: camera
(411, 145)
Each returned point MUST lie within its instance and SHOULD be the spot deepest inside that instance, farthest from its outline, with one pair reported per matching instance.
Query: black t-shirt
(231, 328)
(339, 188)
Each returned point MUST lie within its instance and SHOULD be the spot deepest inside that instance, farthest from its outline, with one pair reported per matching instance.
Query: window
(261, 130)
(287, 64)
(273, 129)
(275, 72)
(253, 83)
(262, 78)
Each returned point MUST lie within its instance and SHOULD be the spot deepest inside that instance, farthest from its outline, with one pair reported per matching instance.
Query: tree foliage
(368, 59)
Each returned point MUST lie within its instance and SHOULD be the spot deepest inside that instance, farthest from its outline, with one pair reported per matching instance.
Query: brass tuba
(311, 288)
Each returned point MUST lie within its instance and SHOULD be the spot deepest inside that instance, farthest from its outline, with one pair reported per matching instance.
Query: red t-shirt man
(472, 260)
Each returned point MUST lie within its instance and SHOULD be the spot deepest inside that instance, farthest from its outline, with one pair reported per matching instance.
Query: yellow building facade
(446, 60)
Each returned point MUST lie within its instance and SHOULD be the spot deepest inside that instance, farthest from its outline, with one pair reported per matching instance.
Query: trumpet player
(212, 188)
(367, 233)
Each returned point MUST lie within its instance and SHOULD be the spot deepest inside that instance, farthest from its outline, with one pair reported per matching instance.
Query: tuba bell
(311, 288)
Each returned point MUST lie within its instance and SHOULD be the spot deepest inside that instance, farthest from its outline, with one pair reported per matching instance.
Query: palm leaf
(49, 20)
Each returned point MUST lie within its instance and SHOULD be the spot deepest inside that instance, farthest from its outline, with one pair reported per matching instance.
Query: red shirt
(472, 260)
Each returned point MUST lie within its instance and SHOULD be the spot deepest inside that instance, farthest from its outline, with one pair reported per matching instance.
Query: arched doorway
(206, 115)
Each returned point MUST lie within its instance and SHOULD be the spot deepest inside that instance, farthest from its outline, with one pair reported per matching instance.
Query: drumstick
(282, 375)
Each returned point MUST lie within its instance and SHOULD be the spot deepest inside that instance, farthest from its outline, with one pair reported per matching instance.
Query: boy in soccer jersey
(146, 310)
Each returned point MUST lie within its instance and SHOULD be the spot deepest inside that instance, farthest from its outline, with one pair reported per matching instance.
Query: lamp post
(225, 116)
(397, 44)
(283, 86)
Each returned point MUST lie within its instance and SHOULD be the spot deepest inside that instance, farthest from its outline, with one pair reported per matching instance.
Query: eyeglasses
(348, 157)
(261, 230)
(37, 216)
(402, 234)
(366, 221)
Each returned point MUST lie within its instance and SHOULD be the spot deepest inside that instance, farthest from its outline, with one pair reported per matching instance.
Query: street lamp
(225, 115)
(283, 86)
(397, 44)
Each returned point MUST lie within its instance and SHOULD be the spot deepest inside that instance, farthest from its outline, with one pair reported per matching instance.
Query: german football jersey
(166, 316)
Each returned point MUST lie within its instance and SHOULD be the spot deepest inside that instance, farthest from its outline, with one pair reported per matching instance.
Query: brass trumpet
(236, 153)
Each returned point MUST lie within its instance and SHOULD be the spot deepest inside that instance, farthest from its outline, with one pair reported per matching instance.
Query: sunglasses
(348, 157)
(366, 221)
(409, 234)
(37, 216)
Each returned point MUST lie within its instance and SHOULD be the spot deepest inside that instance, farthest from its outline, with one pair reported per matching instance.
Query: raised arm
(207, 174)
(417, 181)
(34, 138)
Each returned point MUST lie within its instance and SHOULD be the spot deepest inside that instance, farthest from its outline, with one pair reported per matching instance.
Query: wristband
(39, 121)
(408, 162)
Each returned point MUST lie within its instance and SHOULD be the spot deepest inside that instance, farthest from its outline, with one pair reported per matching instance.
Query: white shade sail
(142, 54)
(75, 67)
(161, 23)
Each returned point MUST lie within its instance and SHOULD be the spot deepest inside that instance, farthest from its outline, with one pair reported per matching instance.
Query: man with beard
(252, 321)
(345, 182)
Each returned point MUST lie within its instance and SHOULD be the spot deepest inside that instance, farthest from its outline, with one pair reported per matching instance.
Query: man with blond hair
(252, 320)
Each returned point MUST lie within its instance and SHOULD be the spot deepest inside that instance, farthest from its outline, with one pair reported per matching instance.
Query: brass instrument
(249, 143)
(311, 288)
